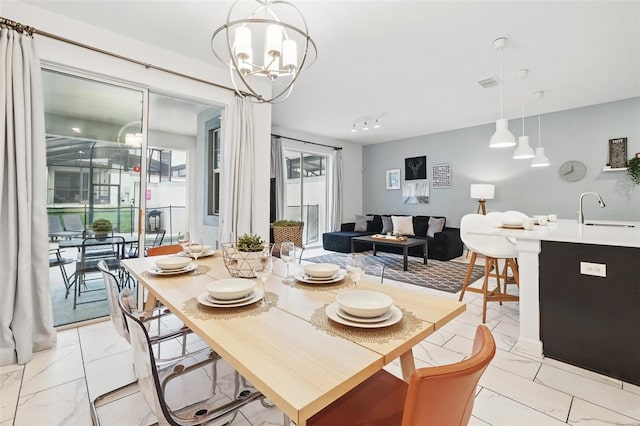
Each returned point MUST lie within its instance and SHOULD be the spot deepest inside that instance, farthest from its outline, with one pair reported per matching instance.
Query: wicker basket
(288, 233)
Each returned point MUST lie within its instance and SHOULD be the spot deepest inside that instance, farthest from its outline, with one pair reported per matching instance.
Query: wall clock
(572, 171)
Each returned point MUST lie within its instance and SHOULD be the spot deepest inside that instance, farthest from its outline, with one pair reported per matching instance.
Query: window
(214, 168)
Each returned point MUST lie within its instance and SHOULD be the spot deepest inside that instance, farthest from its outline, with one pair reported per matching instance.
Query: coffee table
(409, 242)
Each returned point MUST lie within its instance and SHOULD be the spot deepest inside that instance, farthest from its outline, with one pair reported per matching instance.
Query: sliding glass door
(307, 192)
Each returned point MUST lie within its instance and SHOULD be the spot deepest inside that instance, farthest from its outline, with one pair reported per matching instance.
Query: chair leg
(94, 403)
(488, 262)
(465, 283)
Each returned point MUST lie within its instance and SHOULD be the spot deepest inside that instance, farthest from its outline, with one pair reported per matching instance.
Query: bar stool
(493, 248)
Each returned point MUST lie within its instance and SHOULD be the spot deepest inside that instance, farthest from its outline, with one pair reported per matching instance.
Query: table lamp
(482, 192)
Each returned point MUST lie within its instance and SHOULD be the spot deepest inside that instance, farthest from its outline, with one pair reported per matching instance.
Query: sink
(619, 225)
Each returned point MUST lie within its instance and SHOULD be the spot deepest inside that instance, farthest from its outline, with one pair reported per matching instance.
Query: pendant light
(540, 160)
(523, 150)
(502, 138)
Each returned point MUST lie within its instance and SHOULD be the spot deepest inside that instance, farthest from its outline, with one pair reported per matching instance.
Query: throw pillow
(387, 224)
(435, 225)
(361, 223)
(403, 225)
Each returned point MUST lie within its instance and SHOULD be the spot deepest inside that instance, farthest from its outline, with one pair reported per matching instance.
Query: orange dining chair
(440, 395)
(170, 249)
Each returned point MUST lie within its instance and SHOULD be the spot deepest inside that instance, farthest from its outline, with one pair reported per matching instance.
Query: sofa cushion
(361, 223)
(403, 225)
(435, 225)
(387, 225)
(420, 224)
(374, 225)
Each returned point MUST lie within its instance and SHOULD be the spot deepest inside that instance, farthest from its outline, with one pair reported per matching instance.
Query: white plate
(305, 279)
(513, 226)
(310, 278)
(210, 252)
(203, 298)
(349, 317)
(231, 302)
(510, 223)
(332, 313)
(157, 271)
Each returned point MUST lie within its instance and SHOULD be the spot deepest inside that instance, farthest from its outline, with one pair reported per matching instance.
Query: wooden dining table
(290, 350)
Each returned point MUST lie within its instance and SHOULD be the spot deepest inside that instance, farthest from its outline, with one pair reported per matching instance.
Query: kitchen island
(560, 264)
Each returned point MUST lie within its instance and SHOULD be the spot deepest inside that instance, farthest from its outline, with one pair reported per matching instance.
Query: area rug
(437, 274)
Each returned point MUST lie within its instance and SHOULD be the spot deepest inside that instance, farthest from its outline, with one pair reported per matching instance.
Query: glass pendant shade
(523, 150)
(540, 160)
(502, 138)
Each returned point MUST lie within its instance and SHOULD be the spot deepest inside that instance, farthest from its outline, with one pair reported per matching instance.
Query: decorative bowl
(230, 288)
(364, 303)
(321, 270)
(172, 262)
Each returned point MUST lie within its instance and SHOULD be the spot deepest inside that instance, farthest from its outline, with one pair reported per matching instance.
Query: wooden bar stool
(494, 248)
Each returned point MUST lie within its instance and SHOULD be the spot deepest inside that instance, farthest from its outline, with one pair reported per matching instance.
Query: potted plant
(101, 228)
(241, 257)
(633, 169)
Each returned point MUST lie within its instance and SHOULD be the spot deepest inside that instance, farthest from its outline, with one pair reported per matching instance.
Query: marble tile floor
(517, 389)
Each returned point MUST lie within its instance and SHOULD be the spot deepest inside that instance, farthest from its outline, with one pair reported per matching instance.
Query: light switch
(594, 269)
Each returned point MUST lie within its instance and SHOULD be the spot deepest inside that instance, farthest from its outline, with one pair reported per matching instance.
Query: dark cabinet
(588, 321)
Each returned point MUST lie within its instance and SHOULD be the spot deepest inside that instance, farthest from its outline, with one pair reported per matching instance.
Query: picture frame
(393, 179)
(618, 153)
(415, 168)
(441, 176)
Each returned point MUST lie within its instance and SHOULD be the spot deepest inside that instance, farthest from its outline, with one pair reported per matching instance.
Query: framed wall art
(393, 179)
(415, 168)
(441, 176)
(618, 153)
(415, 193)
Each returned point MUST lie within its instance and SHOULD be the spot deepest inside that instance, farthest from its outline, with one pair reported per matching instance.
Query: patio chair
(154, 381)
(61, 262)
(441, 395)
(56, 230)
(73, 223)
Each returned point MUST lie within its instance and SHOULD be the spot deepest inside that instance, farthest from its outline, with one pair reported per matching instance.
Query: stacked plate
(321, 273)
(364, 309)
(512, 224)
(172, 265)
(230, 293)
(206, 251)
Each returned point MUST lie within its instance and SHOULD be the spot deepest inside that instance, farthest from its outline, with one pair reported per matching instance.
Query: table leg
(405, 253)
(426, 252)
(374, 248)
(353, 250)
(408, 365)
(150, 304)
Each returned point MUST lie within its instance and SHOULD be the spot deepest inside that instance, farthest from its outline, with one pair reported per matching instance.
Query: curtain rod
(312, 143)
(30, 31)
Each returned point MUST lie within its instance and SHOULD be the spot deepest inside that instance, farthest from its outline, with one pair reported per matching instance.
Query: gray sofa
(444, 245)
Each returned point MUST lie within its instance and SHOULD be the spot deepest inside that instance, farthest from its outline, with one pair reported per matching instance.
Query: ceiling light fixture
(502, 138)
(77, 129)
(540, 160)
(366, 123)
(353, 129)
(377, 124)
(523, 150)
(282, 50)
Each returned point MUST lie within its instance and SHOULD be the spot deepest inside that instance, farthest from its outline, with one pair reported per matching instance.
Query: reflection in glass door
(94, 144)
(307, 192)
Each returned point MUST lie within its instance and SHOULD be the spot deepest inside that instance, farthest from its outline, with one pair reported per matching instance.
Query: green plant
(101, 226)
(633, 169)
(287, 223)
(250, 242)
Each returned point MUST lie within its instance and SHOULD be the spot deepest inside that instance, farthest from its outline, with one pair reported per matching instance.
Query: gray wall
(578, 134)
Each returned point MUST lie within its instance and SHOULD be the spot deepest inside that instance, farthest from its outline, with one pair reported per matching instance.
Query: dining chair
(441, 395)
(169, 249)
(114, 292)
(153, 383)
(494, 248)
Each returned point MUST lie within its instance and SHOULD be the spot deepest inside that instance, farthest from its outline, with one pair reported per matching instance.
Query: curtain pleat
(238, 173)
(279, 173)
(335, 199)
(26, 324)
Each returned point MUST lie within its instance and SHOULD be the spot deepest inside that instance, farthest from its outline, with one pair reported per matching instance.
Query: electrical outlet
(595, 269)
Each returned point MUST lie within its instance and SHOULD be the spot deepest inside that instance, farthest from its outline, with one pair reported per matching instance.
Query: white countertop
(568, 230)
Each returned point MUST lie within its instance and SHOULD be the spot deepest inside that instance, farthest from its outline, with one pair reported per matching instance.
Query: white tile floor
(54, 388)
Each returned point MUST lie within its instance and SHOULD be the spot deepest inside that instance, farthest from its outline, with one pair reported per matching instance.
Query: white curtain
(334, 206)
(279, 173)
(25, 304)
(238, 172)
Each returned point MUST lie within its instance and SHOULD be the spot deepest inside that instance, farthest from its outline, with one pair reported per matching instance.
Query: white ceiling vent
(489, 82)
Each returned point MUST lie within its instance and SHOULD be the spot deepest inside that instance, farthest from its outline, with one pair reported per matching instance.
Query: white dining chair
(494, 248)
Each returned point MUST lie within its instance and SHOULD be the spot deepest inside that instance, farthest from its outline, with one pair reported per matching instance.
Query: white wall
(352, 166)
(579, 134)
(67, 56)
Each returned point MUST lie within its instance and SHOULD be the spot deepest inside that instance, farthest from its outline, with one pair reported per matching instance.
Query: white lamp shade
(243, 42)
(502, 138)
(482, 191)
(523, 150)
(274, 40)
(540, 160)
(289, 54)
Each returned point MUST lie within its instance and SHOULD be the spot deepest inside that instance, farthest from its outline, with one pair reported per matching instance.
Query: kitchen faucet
(600, 202)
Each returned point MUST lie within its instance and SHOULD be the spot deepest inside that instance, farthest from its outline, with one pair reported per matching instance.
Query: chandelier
(271, 41)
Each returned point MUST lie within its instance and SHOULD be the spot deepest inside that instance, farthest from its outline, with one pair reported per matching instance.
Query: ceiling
(416, 64)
